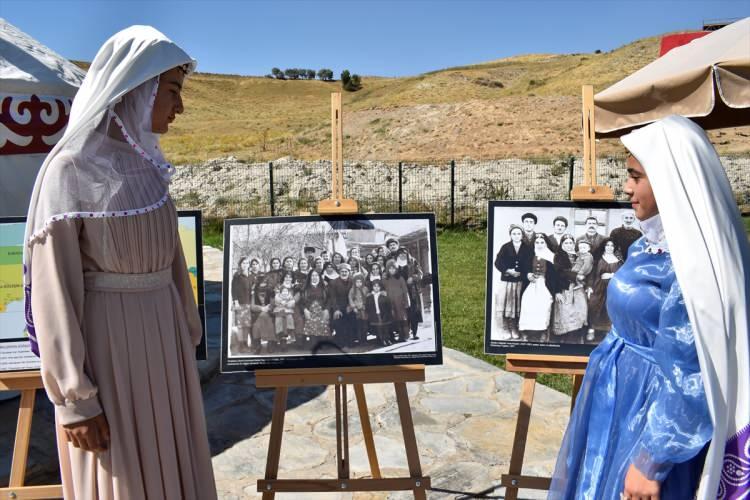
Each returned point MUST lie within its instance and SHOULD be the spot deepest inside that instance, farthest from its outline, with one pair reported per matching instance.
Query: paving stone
(452, 386)
(460, 404)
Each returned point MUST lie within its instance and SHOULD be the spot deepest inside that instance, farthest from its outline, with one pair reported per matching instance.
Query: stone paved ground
(464, 416)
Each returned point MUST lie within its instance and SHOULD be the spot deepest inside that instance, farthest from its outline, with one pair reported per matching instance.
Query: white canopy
(707, 80)
(37, 87)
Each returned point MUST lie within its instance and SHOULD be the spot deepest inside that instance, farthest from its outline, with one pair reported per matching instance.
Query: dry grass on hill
(520, 106)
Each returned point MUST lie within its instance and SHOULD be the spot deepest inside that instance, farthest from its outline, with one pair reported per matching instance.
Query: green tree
(325, 74)
(277, 73)
(345, 78)
(310, 74)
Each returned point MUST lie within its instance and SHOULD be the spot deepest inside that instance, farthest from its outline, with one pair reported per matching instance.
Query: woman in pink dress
(110, 306)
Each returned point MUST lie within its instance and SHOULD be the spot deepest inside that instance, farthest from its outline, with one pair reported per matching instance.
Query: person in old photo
(592, 235)
(560, 226)
(510, 262)
(625, 235)
(536, 300)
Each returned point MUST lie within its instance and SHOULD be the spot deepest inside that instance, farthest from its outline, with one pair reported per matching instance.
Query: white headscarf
(91, 174)
(711, 257)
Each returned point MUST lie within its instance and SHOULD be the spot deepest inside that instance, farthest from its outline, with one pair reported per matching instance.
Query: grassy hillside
(519, 106)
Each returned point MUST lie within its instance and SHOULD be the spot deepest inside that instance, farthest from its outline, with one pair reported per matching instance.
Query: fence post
(400, 187)
(571, 165)
(453, 192)
(270, 183)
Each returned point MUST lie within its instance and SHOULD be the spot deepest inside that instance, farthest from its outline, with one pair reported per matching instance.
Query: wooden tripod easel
(532, 365)
(281, 380)
(27, 383)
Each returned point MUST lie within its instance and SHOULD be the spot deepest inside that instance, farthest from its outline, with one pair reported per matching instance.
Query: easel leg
(522, 431)
(277, 431)
(577, 381)
(364, 419)
(410, 439)
(23, 435)
(342, 432)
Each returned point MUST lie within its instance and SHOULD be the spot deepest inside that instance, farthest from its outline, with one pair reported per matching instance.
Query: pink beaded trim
(95, 215)
(167, 167)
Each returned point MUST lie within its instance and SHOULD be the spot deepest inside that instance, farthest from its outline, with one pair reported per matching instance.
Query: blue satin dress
(642, 399)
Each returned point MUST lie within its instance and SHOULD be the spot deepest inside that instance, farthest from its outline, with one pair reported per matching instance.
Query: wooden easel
(532, 365)
(281, 380)
(589, 189)
(27, 383)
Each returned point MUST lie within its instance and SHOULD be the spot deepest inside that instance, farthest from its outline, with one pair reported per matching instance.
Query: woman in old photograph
(375, 272)
(329, 273)
(536, 300)
(570, 306)
(607, 264)
(273, 276)
(369, 261)
(316, 305)
(263, 326)
(337, 259)
(663, 408)
(300, 275)
(357, 267)
(110, 306)
(510, 261)
(243, 283)
(411, 272)
(398, 293)
(379, 313)
(357, 296)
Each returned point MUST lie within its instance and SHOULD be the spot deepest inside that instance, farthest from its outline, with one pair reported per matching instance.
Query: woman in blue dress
(667, 389)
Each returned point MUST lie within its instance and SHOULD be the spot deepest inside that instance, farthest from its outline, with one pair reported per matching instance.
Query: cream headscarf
(89, 174)
(711, 257)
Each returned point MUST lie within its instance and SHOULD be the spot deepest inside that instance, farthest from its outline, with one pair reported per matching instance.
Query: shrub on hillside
(350, 82)
(325, 74)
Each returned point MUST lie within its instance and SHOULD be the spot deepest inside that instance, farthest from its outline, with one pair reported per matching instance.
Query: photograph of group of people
(305, 286)
(549, 271)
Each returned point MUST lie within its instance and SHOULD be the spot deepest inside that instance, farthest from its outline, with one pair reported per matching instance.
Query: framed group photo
(334, 291)
(548, 268)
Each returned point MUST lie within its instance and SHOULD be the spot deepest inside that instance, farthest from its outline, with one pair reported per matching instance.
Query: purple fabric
(735, 471)
(30, 318)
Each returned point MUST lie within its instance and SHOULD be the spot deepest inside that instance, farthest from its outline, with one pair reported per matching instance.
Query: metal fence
(457, 191)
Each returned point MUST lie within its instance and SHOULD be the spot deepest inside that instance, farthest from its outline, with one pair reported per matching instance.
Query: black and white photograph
(548, 268)
(315, 291)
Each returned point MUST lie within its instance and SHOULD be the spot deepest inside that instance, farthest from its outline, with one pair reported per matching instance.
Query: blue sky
(386, 38)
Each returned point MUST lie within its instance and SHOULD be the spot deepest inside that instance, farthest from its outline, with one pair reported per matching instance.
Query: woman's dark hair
(542, 236)
(600, 251)
(285, 274)
(301, 260)
(563, 238)
(308, 281)
(275, 259)
(340, 257)
(239, 263)
(283, 263)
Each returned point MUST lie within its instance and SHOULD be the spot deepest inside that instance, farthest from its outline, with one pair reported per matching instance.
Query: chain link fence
(456, 191)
